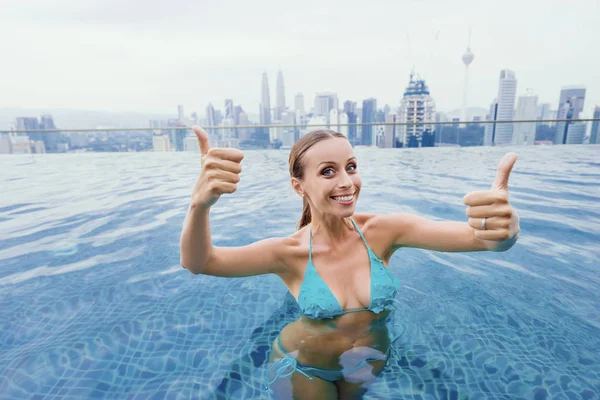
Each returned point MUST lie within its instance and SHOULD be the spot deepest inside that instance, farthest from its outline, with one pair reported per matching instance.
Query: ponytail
(306, 216)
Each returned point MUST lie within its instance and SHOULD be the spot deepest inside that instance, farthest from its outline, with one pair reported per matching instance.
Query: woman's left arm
(499, 232)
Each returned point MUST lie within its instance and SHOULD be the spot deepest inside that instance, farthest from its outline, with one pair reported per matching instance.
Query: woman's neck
(330, 228)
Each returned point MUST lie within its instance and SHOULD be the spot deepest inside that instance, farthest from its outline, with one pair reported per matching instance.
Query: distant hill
(73, 119)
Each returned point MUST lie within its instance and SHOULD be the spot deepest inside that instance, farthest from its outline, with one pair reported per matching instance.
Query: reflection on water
(94, 303)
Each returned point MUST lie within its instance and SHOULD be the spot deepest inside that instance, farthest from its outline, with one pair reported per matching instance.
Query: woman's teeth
(343, 198)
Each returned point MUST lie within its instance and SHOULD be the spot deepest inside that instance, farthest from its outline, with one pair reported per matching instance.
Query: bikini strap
(282, 368)
(371, 253)
(359, 232)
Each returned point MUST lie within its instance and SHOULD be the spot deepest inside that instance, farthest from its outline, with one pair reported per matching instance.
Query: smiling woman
(336, 263)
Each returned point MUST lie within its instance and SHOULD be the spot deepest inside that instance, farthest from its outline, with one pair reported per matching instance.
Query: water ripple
(95, 304)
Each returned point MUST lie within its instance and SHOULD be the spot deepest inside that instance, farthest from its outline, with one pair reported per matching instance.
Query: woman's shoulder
(377, 232)
(296, 243)
(294, 253)
(296, 237)
(363, 219)
(379, 222)
(370, 223)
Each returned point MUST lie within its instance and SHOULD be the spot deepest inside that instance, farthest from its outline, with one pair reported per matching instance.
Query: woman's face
(331, 180)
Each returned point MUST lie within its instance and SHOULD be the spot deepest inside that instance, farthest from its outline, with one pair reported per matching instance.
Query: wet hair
(297, 166)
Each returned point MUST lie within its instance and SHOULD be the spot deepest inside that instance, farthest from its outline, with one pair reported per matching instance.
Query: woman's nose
(345, 181)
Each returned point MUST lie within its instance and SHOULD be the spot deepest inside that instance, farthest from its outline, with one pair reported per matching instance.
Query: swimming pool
(95, 305)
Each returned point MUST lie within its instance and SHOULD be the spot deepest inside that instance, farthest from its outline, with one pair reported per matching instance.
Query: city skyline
(417, 106)
(119, 64)
(271, 112)
(503, 107)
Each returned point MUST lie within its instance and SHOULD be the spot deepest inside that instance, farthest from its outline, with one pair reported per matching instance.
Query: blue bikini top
(317, 301)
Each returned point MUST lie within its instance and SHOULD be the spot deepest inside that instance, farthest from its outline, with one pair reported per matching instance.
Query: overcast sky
(151, 55)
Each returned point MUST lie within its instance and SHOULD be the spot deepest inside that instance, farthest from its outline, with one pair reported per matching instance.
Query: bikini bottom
(287, 365)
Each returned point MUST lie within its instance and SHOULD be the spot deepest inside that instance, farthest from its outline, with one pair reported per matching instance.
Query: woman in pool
(336, 263)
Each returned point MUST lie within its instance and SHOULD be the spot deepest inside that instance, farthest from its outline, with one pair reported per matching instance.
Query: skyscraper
(325, 102)
(527, 108)
(237, 113)
(490, 129)
(389, 139)
(176, 136)
(576, 132)
(543, 112)
(50, 139)
(227, 130)
(595, 134)
(265, 102)
(27, 124)
(288, 134)
(47, 122)
(211, 118)
(570, 105)
(505, 108)
(467, 59)
(369, 110)
(229, 109)
(417, 106)
(243, 133)
(230, 120)
(280, 96)
(350, 111)
(190, 143)
(160, 142)
(218, 117)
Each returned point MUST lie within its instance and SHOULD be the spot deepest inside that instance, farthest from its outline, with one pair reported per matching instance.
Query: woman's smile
(344, 199)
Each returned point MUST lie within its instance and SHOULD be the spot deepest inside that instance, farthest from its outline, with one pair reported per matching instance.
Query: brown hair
(297, 166)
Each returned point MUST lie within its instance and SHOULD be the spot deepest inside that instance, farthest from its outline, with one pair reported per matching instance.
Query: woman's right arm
(199, 256)
(220, 174)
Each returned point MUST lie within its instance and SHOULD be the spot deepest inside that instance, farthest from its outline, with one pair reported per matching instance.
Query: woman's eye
(330, 171)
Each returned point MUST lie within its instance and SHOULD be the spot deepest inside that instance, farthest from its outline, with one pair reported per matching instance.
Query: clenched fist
(220, 171)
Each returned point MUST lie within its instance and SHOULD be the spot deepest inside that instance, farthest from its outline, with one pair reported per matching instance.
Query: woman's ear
(297, 186)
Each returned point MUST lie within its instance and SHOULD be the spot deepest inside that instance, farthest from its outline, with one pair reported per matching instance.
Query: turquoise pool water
(95, 305)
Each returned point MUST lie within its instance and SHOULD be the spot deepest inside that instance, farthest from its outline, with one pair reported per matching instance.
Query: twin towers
(265, 99)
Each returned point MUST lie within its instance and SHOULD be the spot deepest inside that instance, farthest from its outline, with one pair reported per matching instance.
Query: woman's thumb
(202, 139)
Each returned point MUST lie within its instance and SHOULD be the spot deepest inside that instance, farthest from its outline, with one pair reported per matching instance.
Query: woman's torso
(322, 343)
(346, 270)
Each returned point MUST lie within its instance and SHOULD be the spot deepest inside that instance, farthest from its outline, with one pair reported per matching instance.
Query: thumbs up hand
(219, 174)
(489, 211)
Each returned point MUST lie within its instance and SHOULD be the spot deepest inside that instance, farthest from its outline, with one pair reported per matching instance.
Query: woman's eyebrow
(333, 162)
